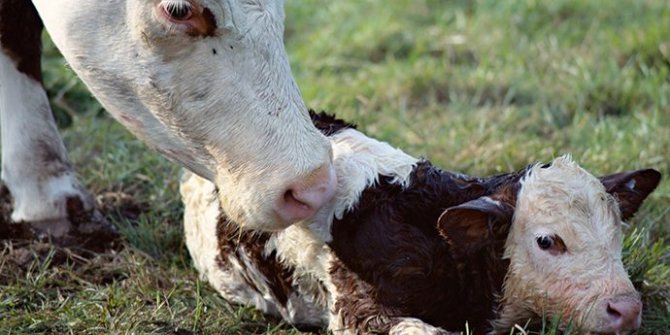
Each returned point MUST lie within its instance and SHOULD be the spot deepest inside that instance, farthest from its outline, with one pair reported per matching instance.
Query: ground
(476, 86)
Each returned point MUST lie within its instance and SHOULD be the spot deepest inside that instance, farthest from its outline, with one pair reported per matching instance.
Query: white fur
(412, 326)
(35, 167)
(567, 201)
(224, 106)
(362, 159)
(201, 206)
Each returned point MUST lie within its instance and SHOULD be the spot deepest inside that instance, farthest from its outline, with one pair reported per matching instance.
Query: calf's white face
(208, 84)
(565, 247)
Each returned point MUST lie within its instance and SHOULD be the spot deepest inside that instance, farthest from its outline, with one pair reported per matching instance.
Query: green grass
(476, 86)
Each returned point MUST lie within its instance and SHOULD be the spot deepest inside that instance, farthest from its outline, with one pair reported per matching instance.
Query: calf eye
(545, 242)
(552, 244)
(177, 10)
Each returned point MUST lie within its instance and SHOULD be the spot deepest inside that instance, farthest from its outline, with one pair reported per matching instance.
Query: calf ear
(472, 225)
(631, 188)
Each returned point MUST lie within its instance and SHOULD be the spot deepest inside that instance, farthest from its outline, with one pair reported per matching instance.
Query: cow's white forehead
(566, 196)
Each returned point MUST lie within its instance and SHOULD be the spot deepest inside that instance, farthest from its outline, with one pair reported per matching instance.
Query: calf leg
(356, 310)
(35, 166)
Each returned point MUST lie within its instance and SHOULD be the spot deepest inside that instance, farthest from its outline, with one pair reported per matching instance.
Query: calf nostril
(624, 313)
(613, 312)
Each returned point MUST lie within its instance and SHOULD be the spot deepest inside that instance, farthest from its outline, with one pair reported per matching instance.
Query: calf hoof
(416, 327)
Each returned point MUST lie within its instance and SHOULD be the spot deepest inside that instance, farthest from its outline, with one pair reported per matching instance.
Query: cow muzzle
(305, 196)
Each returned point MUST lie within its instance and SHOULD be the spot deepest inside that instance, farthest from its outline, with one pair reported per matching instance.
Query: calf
(406, 247)
(207, 83)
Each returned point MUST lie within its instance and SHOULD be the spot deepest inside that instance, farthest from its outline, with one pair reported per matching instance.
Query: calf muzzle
(623, 313)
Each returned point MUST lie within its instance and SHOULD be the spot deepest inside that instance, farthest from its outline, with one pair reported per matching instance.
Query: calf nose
(625, 313)
(303, 198)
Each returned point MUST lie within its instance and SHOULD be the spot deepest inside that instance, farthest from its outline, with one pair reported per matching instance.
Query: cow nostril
(292, 207)
(290, 198)
(307, 195)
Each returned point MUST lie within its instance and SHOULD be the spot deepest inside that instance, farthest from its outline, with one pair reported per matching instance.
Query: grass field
(476, 86)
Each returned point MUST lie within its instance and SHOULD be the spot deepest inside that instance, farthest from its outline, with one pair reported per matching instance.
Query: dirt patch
(90, 248)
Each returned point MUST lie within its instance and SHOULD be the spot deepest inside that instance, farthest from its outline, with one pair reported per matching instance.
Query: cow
(405, 247)
(206, 83)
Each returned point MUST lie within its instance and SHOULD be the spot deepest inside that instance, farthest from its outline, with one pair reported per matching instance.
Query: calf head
(563, 246)
(207, 83)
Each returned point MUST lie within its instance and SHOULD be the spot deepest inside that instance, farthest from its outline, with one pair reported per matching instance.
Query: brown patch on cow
(328, 124)
(210, 21)
(232, 242)
(20, 36)
(203, 23)
(394, 260)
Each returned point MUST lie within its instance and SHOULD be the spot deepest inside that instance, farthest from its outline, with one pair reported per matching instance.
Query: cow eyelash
(177, 10)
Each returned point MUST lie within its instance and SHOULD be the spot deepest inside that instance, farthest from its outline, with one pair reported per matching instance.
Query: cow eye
(545, 242)
(177, 10)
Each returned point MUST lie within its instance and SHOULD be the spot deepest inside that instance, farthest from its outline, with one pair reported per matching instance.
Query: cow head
(207, 83)
(564, 244)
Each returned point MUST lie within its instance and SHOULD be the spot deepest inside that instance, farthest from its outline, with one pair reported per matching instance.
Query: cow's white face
(565, 252)
(208, 84)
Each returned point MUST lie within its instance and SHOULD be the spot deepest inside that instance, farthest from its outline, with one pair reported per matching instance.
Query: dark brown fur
(357, 306)
(328, 124)
(209, 24)
(395, 263)
(20, 36)
(630, 198)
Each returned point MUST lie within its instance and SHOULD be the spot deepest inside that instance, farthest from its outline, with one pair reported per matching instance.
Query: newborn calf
(406, 247)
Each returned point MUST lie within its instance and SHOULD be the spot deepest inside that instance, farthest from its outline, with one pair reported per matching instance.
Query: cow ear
(631, 188)
(472, 225)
